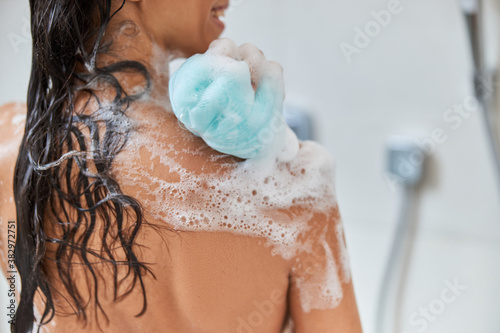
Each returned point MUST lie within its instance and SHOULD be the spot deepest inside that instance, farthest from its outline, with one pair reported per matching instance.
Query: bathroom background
(403, 82)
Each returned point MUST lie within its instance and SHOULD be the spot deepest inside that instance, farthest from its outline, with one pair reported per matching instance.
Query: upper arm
(12, 119)
(321, 295)
(11, 131)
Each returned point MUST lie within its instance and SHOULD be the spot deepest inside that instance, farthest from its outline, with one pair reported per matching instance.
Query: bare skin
(205, 281)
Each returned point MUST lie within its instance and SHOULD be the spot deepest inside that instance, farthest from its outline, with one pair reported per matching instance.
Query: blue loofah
(212, 96)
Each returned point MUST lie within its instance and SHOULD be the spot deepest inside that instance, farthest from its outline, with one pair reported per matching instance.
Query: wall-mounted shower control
(299, 121)
(405, 159)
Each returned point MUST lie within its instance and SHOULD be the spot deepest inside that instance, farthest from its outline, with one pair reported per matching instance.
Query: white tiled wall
(402, 83)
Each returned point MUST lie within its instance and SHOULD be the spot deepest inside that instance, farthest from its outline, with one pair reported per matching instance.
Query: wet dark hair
(62, 175)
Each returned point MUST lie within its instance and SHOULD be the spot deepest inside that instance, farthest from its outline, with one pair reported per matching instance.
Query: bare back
(205, 279)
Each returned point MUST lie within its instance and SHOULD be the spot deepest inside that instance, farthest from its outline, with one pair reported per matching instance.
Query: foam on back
(276, 197)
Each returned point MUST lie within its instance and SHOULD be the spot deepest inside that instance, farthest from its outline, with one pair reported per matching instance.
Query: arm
(321, 295)
(11, 131)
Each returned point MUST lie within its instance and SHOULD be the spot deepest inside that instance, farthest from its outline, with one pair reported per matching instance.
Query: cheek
(192, 24)
(173, 17)
(202, 31)
(186, 24)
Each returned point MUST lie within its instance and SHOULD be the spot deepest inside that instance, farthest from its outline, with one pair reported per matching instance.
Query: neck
(131, 43)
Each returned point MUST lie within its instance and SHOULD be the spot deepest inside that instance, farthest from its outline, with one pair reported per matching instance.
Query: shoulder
(10, 110)
(317, 167)
(321, 294)
(162, 157)
(12, 119)
(158, 141)
(182, 181)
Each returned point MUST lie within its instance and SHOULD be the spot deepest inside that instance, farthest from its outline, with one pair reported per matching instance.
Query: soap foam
(246, 200)
(275, 197)
(322, 291)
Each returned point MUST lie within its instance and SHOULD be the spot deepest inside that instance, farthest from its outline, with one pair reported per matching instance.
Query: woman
(126, 222)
